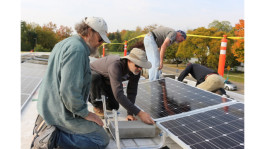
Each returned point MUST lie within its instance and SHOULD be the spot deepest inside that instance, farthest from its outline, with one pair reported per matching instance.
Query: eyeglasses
(100, 39)
(138, 66)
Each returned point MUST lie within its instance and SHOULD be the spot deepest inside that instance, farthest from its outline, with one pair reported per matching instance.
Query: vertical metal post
(222, 56)
(117, 136)
(104, 110)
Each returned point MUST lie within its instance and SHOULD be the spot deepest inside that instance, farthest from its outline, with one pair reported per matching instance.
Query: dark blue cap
(183, 34)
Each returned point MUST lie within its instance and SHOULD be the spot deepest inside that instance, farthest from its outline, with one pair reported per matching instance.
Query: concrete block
(133, 129)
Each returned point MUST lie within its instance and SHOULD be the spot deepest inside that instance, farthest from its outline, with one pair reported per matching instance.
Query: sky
(128, 14)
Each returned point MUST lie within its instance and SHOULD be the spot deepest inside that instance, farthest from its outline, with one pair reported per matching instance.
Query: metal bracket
(116, 136)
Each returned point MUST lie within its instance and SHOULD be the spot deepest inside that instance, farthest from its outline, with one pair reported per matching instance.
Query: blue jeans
(95, 140)
(153, 56)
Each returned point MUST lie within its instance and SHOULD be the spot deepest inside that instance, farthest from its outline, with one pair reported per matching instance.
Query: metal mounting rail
(116, 136)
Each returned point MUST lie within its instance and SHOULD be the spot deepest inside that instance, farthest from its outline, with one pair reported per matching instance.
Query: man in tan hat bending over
(107, 76)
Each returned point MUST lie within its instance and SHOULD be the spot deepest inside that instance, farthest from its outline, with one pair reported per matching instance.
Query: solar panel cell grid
(167, 97)
(217, 128)
(31, 76)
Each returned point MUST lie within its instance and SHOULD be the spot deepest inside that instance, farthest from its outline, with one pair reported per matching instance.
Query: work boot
(44, 135)
(99, 112)
(38, 122)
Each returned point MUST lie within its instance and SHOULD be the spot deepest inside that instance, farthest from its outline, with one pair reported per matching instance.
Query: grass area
(116, 53)
(235, 76)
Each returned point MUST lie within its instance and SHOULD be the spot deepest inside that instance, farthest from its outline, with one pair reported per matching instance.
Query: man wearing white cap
(107, 76)
(63, 94)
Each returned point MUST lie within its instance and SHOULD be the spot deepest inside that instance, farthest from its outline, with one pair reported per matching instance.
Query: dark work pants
(100, 86)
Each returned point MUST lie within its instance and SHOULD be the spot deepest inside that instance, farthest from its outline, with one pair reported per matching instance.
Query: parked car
(230, 86)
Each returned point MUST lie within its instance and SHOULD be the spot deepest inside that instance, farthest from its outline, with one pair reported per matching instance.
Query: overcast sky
(128, 14)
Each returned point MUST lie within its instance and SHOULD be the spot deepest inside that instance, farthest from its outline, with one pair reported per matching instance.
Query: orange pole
(103, 50)
(222, 56)
(125, 48)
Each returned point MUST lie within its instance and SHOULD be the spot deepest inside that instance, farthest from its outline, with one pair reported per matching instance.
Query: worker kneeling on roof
(64, 120)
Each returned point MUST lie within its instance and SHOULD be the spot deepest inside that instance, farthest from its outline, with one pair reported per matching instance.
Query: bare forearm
(162, 53)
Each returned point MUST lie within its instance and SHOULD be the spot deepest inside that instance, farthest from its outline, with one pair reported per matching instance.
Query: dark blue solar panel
(167, 97)
(217, 128)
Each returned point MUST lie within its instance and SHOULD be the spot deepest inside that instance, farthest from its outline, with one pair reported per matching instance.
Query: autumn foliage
(206, 50)
(238, 47)
(42, 38)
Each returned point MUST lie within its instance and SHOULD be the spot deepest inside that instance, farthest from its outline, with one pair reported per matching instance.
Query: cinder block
(134, 129)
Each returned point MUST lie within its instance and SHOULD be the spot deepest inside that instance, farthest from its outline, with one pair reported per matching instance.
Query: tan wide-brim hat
(138, 57)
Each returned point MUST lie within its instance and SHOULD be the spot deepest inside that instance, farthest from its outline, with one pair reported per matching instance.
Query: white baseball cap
(99, 25)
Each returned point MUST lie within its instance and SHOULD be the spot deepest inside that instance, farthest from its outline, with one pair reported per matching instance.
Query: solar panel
(28, 84)
(217, 128)
(166, 97)
(31, 76)
(24, 98)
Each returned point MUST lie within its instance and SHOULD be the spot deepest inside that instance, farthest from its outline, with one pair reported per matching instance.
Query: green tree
(185, 52)
(28, 36)
(170, 54)
(46, 36)
(224, 26)
(25, 44)
(39, 48)
(200, 46)
(114, 47)
(207, 50)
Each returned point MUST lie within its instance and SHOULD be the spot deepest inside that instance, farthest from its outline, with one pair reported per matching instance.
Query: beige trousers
(212, 82)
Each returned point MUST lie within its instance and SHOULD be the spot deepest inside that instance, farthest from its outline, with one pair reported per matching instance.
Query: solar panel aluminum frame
(190, 112)
(30, 95)
(176, 138)
(197, 111)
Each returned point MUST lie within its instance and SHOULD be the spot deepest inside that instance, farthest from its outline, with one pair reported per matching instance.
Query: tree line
(206, 50)
(42, 38)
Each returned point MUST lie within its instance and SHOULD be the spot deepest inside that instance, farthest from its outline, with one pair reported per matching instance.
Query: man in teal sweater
(65, 88)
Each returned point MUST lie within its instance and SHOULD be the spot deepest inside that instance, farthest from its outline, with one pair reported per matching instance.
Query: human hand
(94, 118)
(145, 117)
(131, 118)
(161, 66)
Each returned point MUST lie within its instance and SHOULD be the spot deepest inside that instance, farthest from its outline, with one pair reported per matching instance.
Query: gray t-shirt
(162, 33)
